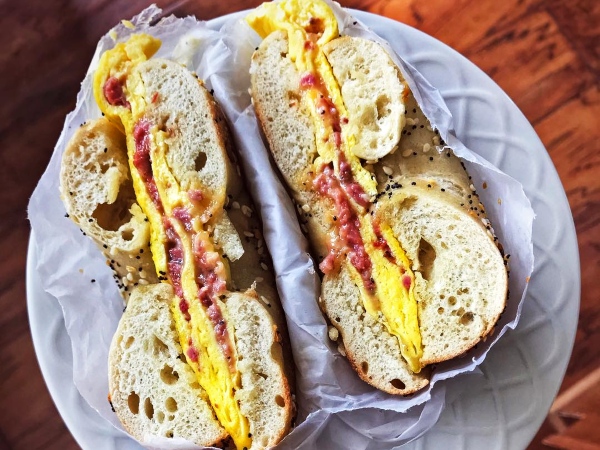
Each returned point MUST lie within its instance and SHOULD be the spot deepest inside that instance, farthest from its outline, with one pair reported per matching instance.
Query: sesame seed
(248, 234)
(261, 250)
(306, 208)
(429, 128)
(143, 282)
(426, 148)
(246, 211)
(235, 205)
(436, 140)
(372, 161)
(410, 121)
(406, 153)
(264, 266)
(333, 333)
(143, 274)
(472, 187)
(130, 269)
(388, 170)
(259, 279)
(130, 277)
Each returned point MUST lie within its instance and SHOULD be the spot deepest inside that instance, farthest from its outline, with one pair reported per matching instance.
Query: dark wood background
(544, 53)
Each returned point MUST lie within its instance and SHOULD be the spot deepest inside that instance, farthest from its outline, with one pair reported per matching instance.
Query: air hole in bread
(464, 290)
(280, 401)
(293, 99)
(169, 434)
(426, 257)
(383, 107)
(133, 401)
(442, 296)
(440, 310)
(159, 347)
(200, 161)
(171, 404)
(104, 167)
(168, 375)
(130, 340)
(262, 375)
(364, 366)
(398, 384)
(113, 216)
(337, 319)
(160, 417)
(195, 385)
(466, 318)
(127, 235)
(148, 408)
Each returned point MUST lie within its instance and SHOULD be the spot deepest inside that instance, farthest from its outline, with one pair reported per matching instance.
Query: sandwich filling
(375, 258)
(180, 219)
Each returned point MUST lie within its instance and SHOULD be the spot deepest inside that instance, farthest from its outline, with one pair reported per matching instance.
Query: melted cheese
(310, 24)
(212, 369)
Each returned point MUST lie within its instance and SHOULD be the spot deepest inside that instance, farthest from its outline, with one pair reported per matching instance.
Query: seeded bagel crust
(96, 189)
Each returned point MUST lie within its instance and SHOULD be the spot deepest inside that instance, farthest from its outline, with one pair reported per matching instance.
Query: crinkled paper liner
(336, 409)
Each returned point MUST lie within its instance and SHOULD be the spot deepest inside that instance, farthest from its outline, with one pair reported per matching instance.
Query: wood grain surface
(544, 53)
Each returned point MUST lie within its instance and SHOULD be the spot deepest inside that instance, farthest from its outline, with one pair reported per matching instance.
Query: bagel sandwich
(201, 351)
(412, 274)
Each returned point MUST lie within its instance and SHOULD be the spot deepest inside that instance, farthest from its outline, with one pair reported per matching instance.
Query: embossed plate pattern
(502, 409)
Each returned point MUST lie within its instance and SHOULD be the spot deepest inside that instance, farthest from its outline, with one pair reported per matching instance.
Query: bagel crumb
(333, 333)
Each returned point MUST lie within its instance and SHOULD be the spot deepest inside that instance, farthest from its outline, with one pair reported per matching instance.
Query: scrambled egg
(122, 97)
(310, 24)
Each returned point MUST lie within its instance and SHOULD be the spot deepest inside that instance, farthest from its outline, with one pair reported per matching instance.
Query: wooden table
(544, 53)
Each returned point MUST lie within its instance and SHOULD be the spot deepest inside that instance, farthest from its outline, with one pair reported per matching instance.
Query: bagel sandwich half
(412, 273)
(202, 354)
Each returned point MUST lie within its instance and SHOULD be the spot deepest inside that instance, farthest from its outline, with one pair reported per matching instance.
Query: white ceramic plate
(502, 409)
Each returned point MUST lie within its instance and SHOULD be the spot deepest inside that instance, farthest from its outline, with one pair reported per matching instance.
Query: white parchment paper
(336, 409)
